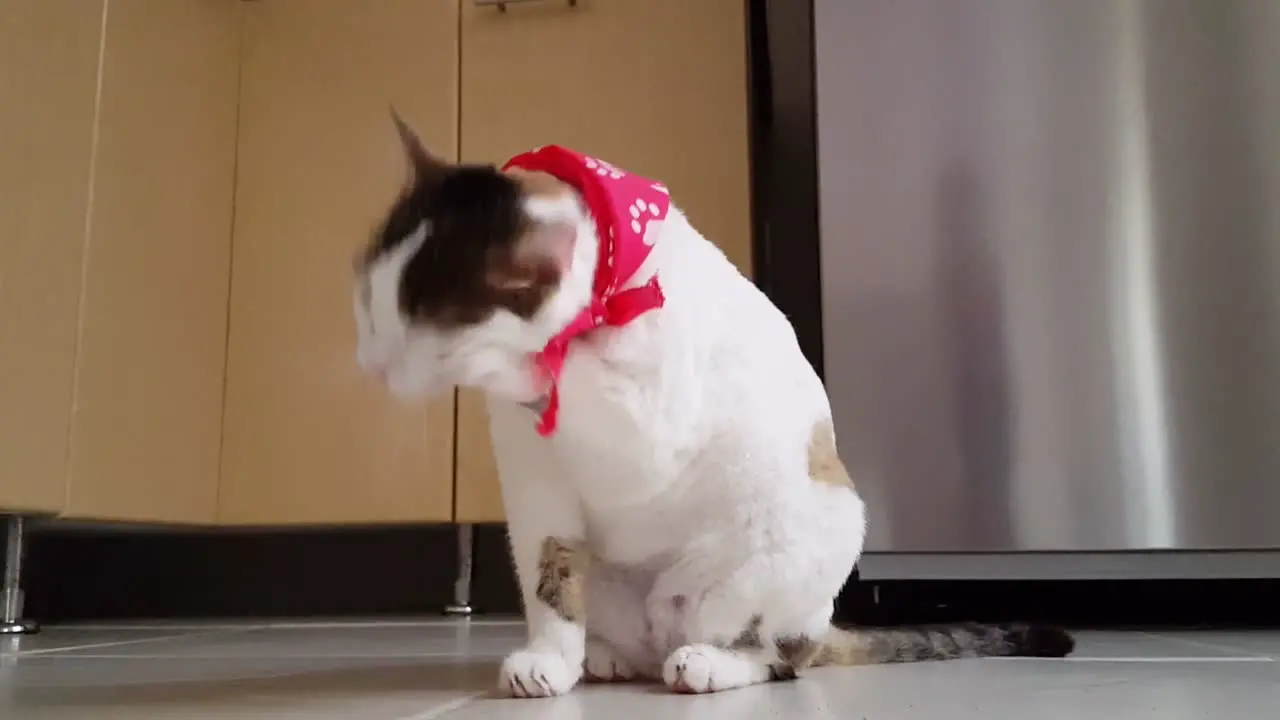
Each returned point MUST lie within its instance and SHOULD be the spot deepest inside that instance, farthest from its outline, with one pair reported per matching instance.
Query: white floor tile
(424, 670)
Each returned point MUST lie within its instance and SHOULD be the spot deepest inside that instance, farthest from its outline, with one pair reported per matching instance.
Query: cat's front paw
(603, 665)
(537, 674)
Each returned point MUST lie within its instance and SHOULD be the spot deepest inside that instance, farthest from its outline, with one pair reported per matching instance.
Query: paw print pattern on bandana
(651, 233)
(641, 214)
(628, 208)
(604, 169)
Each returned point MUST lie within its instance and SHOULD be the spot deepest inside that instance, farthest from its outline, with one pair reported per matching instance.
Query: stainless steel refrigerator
(1050, 248)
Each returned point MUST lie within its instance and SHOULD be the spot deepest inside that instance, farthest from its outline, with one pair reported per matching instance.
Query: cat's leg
(618, 643)
(708, 624)
(726, 614)
(765, 577)
(617, 647)
(604, 664)
(713, 660)
(715, 664)
(543, 517)
(729, 640)
(759, 654)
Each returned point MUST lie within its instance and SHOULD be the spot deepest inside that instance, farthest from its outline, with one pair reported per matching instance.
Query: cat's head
(471, 271)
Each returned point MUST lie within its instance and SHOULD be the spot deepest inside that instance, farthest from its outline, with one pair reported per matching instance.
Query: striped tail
(941, 642)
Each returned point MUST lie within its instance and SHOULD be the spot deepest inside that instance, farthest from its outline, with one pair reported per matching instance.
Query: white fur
(680, 457)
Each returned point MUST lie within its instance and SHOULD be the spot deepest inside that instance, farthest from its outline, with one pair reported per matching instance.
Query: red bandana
(624, 206)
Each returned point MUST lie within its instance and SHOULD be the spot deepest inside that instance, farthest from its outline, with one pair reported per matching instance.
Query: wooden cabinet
(183, 184)
(307, 439)
(146, 427)
(655, 86)
(117, 134)
(479, 497)
(48, 75)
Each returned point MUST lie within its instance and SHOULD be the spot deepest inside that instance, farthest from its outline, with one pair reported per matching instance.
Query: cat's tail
(867, 646)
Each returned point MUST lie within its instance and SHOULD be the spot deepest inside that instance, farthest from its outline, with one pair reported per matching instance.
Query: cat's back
(719, 359)
(749, 345)
(715, 327)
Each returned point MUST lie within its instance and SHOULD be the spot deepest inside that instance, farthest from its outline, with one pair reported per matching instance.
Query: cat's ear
(423, 166)
(550, 244)
(542, 257)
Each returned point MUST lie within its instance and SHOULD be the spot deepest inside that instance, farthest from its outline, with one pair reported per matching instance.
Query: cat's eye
(525, 297)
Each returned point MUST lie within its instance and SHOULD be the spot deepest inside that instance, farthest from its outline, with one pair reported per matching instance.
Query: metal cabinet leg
(11, 599)
(461, 606)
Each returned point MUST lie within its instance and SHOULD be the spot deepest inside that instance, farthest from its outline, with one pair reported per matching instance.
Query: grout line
(1242, 659)
(157, 627)
(119, 643)
(1206, 644)
(443, 623)
(454, 654)
(299, 625)
(498, 656)
(445, 708)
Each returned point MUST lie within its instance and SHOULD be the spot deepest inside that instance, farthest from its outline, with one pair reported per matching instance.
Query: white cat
(676, 506)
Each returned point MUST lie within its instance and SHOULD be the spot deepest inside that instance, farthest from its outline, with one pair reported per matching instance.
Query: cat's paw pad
(537, 674)
(603, 665)
(701, 669)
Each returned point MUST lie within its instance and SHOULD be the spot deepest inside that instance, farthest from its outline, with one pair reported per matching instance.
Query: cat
(677, 508)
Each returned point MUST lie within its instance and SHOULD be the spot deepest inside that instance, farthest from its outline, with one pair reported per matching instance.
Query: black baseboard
(93, 574)
(1075, 603)
(114, 575)
(496, 591)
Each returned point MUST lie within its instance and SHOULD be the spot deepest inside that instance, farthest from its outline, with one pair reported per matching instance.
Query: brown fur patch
(783, 672)
(824, 462)
(481, 254)
(749, 638)
(562, 576)
(799, 652)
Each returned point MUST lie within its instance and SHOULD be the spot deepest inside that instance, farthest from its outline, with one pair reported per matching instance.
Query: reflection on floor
(445, 669)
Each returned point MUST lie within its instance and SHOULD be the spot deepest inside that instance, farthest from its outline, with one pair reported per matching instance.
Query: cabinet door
(146, 429)
(307, 438)
(655, 86)
(48, 74)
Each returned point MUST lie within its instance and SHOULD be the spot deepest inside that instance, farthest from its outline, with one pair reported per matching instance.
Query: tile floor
(444, 669)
